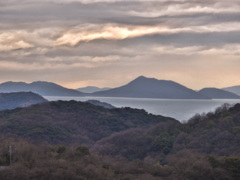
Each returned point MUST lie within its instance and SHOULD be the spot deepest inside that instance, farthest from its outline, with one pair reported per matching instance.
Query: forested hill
(124, 144)
(215, 133)
(66, 122)
(127, 132)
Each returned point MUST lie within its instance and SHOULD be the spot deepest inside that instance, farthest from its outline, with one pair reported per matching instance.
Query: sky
(108, 43)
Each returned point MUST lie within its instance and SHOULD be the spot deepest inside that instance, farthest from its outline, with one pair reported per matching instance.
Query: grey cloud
(214, 39)
(44, 21)
(53, 14)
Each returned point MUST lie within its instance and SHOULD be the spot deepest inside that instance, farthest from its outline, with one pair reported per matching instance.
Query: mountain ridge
(73, 122)
(233, 89)
(143, 87)
(42, 88)
(215, 93)
(19, 99)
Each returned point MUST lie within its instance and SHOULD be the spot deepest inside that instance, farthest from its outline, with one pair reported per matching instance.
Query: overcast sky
(76, 43)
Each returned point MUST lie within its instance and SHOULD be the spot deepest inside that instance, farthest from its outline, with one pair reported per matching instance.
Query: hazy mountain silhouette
(233, 89)
(99, 103)
(143, 87)
(19, 99)
(91, 89)
(215, 93)
(40, 87)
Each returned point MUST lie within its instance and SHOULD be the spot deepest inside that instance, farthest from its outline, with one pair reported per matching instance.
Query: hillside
(91, 89)
(124, 144)
(145, 146)
(143, 87)
(233, 89)
(215, 133)
(40, 87)
(128, 132)
(19, 99)
(69, 122)
(215, 93)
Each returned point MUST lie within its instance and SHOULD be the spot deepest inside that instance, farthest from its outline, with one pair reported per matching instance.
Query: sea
(179, 109)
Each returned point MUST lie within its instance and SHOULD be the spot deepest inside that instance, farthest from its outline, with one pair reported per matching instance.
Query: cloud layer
(110, 42)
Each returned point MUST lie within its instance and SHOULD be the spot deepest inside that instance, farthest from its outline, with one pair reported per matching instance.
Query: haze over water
(176, 108)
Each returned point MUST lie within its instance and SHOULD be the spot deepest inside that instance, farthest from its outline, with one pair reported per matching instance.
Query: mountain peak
(143, 87)
(142, 77)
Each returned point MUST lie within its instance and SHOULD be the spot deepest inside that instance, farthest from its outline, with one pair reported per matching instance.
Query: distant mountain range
(215, 93)
(91, 89)
(233, 89)
(19, 99)
(40, 87)
(143, 87)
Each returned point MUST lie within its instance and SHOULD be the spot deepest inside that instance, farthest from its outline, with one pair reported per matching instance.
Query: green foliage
(232, 165)
(82, 151)
(162, 143)
(210, 124)
(69, 122)
(125, 143)
(213, 161)
(236, 130)
(61, 149)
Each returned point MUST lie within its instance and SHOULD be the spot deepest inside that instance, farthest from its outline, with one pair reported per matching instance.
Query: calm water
(178, 109)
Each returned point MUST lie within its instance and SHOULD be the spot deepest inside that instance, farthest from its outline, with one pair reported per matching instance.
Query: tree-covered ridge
(132, 144)
(41, 161)
(215, 133)
(68, 122)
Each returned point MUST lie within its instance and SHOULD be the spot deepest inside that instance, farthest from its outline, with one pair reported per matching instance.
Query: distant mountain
(91, 89)
(143, 87)
(99, 103)
(40, 87)
(19, 99)
(233, 89)
(215, 93)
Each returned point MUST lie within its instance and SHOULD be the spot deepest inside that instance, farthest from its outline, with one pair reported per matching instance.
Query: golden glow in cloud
(11, 41)
(76, 35)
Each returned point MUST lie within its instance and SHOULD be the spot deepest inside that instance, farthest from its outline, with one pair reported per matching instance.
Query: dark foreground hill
(214, 133)
(67, 122)
(215, 93)
(40, 87)
(19, 99)
(143, 87)
(206, 147)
